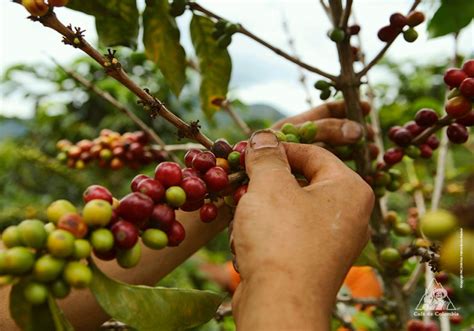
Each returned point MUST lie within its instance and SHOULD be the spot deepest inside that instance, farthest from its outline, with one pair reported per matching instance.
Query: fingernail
(263, 139)
(351, 131)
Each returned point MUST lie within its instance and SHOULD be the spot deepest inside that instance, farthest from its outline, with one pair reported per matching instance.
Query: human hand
(294, 245)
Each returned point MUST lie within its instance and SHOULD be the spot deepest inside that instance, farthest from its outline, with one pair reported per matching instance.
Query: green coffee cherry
(102, 240)
(177, 8)
(410, 35)
(130, 257)
(390, 255)
(413, 152)
(395, 174)
(280, 135)
(77, 275)
(60, 289)
(325, 94)
(82, 249)
(3, 259)
(18, 260)
(175, 196)
(155, 239)
(337, 35)
(58, 208)
(292, 138)
(402, 229)
(380, 191)
(307, 132)
(322, 85)
(11, 237)
(394, 185)
(289, 128)
(35, 293)
(48, 268)
(60, 243)
(32, 233)
(381, 178)
(234, 159)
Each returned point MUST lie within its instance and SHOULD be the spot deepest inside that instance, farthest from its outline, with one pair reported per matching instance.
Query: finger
(266, 164)
(337, 132)
(333, 109)
(315, 163)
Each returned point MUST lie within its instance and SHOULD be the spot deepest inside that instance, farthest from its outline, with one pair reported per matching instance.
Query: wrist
(282, 301)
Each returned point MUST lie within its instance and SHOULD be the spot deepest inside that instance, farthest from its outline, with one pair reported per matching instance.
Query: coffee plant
(54, 257)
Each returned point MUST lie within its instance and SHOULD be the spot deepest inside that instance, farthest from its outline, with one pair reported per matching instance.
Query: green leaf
(368, 257)
(153, 308)
(116, 20)
(42, 317)
(214, 63)
(161, 40)
(451, 17)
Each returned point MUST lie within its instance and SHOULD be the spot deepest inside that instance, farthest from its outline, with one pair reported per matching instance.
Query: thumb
(266, 163)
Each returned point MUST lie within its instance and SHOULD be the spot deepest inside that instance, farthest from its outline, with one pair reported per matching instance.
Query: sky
(258, 76)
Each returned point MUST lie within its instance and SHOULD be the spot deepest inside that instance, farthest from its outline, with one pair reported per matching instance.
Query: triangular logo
(435, 299)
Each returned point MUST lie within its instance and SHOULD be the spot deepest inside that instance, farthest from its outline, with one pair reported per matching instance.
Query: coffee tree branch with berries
(44, 259)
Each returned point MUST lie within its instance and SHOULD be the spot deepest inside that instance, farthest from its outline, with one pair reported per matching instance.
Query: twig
(225, 309)
(179, 147)
(113, 69)
(302, 76)
(244, 31)
(382, 52)
(236, 118)
(411, 283)
(345, 15)
(114, 102)
(445, 120)
(440, 171)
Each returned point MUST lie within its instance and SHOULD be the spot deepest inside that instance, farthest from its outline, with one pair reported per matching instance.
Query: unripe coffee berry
(175, 196)
(410, 35)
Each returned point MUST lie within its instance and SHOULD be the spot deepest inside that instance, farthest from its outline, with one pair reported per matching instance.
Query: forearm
(82, 309)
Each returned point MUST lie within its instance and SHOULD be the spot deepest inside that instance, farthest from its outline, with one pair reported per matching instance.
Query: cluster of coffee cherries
(111, 150)
(223, 31)
(40, 7)
(401, 23)
(459, 116)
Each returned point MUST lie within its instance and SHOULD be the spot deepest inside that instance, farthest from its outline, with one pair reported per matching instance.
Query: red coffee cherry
(189, 156)
(240, 146)
(192, 205)
(402, 137)
(194, 187)
(393, 155)
(221, 148)
(456, 319)
(190, 172)
(152, 188)
(415, 18)
(216, 179)
(135, 207)
(169, 174)
(467, 120)
(426, 117)
(457, 133)
(392, 130)
(353, 29)
(467, 88)
(208, 212)
(125, 234)
(432, 141)
(162, 217)
(458, 106)
(415, 325)
(453, 77)
(105, 256)
(94, 192)
(468, 68)
(388, 33)
(204, 161)
(176, 234)
(425, 151)
(414, 128)
(239, 192)
(398, 20)
(136, 180)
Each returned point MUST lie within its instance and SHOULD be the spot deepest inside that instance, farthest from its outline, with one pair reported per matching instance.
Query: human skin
(293, 255)
(154, 265)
